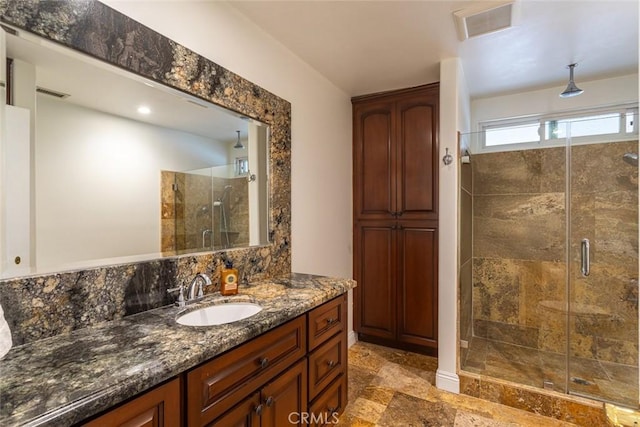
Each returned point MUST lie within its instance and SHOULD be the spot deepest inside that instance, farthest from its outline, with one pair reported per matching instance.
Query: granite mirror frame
(40, 306)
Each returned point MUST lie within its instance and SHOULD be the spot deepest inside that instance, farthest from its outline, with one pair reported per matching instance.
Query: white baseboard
(448, 381)
(352, 338)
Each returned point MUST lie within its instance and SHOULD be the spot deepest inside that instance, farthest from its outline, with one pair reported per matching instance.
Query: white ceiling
(372, 46)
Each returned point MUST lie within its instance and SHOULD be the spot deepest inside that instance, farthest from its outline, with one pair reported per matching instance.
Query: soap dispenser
(229, 279)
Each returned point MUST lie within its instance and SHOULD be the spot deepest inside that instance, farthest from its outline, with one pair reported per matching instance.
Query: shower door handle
(585, 261)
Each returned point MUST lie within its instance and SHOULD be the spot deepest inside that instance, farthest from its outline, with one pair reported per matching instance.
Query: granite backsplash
(44, 306)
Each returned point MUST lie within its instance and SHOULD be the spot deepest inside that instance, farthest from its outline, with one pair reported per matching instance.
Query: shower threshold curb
(574, 409)
(621, 417)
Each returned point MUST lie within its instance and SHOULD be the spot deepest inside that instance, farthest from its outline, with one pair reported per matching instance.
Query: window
(514, 134)
(584, 127)
(603, 124)
(242, 166)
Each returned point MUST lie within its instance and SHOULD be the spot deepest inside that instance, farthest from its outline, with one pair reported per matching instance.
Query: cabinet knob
(331, 363)
(258, 410)
(331, 410)
(331, 321)
(269, 401)
(264, 362)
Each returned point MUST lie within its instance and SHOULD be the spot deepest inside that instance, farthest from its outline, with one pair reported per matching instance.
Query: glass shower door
(602, 319)
(194, 210)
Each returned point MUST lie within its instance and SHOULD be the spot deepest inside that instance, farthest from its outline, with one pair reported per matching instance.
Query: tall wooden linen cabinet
(395, 208)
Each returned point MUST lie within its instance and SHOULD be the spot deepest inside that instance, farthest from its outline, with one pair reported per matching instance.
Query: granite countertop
(64, 379)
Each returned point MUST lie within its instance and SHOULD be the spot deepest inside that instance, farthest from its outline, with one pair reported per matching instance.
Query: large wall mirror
(103, 166)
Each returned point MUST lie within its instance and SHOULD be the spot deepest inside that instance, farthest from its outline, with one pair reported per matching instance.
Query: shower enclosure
(549, 282)
(204, 209)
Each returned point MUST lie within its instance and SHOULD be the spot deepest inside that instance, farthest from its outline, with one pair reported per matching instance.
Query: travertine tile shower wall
(519, 234)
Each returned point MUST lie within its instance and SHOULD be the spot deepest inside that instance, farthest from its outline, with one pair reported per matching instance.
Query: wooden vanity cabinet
(158, 408)
(272, 381)
(269, 381)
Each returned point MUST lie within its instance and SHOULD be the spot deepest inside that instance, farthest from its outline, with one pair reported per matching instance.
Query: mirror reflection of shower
(223, 214)
(203, 211)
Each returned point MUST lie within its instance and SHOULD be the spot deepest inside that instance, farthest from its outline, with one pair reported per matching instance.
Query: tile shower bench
(69, 378)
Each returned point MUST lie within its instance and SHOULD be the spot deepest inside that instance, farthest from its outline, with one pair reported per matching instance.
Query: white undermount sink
(219, 314)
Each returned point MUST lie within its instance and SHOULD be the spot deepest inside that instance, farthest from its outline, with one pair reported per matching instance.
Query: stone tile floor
(523, 365)
(389, 387)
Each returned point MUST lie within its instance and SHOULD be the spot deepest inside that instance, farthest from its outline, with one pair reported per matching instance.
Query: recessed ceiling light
(143, 109)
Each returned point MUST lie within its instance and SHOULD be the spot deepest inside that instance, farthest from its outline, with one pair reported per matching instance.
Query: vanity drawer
(158, 407)
(221, 383)
(332, 400)
(326, 363)
(327, 320)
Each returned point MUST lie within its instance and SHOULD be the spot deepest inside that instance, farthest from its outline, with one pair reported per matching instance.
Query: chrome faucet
(201, 280)
(195, 290)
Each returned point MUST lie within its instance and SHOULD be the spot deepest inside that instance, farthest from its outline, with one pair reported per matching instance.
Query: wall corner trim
(448, 381)
(352, 338)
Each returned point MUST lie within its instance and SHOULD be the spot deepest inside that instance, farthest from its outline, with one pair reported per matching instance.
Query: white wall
(616, 90)
(454, 117)
(321, 120)
(98, 182)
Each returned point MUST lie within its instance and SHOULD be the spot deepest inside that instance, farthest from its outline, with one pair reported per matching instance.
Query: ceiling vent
(484, 19)
(51, 92)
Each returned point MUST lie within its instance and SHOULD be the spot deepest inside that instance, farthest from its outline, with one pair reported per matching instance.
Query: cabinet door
(331, 402)
(284, 400)
(245, 414)
(158, 407)
(417, 145)
(375, 272)
(417, 289)
(221, 383)
(374, 160)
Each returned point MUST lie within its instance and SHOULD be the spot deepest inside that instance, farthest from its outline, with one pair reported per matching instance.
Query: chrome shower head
(631, 158)
(572, 89)
(238, 144)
